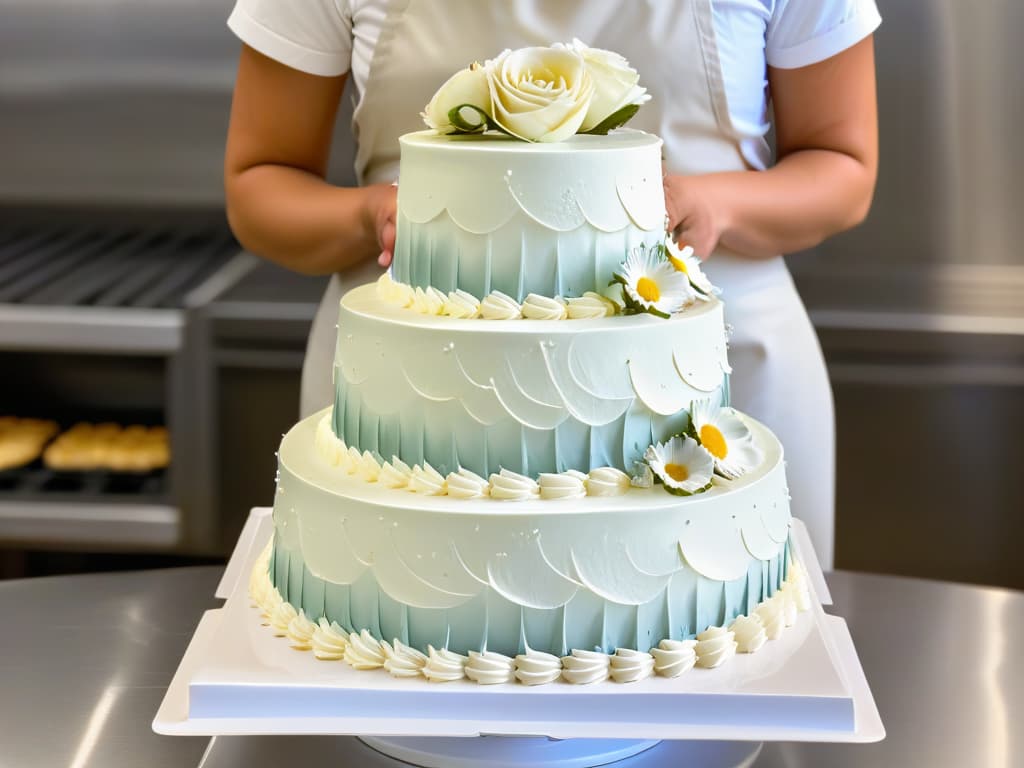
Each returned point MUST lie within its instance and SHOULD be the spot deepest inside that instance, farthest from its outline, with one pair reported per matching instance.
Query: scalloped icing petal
(524, 409)
(528, 580)
(599, 373)
(481, 402)
(777, 521)
(715, 548)
(612, 575)
(700, 367)
(401, 583)
(654, 555)
(632, 191)
(330, 557)
(532, 377)
(758, 542)
(657, 384)
(430, 554)
(584, 406)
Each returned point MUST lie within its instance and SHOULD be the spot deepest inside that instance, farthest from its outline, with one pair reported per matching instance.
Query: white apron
(779, 374)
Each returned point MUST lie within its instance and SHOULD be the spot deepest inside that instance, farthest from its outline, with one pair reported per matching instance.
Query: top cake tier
(485, 213)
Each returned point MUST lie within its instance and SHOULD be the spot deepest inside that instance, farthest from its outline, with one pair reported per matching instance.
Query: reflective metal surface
(84, 662)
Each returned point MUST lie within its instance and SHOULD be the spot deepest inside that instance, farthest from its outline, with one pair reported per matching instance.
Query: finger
(387, 236)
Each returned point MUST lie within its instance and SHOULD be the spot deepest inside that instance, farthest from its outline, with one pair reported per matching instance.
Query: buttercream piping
(496, 305)
(670, 658)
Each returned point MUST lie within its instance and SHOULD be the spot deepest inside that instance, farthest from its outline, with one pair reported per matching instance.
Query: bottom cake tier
(539, 575)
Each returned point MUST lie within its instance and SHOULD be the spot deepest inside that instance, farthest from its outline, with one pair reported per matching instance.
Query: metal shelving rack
(119, 288)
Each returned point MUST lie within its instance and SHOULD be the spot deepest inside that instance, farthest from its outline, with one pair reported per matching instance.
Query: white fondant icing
(608, 182)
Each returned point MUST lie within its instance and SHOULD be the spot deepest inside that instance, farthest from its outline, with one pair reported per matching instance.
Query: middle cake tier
(530, 396)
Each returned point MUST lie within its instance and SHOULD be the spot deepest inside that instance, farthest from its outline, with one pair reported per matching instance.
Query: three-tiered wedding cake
(530, 469)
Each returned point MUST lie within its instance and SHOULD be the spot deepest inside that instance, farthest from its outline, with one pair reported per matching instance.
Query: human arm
(827, 146)
(279, 205)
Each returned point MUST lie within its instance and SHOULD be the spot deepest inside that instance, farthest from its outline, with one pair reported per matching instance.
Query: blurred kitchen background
(124, 299)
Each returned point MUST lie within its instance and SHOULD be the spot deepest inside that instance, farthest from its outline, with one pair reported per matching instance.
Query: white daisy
(684, 260)
(652, 284)
(724, 435)
(682, 465)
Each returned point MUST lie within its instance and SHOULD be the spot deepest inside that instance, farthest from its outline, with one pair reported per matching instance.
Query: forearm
(804, 199)
(296, 219)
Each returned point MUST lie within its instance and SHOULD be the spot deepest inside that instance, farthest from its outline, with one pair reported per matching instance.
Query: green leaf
(615, 120)
(681, 492)
(464, 126)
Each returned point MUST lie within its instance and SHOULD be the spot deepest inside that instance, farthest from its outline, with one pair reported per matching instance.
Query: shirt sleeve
(804, 32)
(313, 36)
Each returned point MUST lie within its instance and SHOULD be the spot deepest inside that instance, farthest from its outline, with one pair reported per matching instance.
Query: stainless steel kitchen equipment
(93, 325)
(129, 631)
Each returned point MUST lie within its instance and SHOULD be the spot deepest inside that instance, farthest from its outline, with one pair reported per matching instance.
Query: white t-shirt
(332, 37)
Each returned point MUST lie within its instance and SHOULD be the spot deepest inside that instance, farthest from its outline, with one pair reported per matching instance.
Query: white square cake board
(236, 678)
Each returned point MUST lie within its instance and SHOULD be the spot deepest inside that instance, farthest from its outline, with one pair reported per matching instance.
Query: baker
(716, 69)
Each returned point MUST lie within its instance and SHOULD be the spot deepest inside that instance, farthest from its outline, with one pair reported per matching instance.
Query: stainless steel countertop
(85, 660)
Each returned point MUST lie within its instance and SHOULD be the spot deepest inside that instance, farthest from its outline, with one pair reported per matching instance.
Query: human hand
(694, 219)
(384, 206)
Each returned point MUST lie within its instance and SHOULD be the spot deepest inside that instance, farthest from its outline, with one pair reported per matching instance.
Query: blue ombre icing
(526, 395)
(488, 213)
(687, 606)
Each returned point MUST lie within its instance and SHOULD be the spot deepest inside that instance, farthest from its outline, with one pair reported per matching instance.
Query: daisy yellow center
(648, 289)
(679, 264)
(713, 440)
(677, 472)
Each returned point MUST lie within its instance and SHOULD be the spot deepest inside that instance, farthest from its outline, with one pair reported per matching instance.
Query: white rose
(467, 86)
(615, 84)
(539, 94)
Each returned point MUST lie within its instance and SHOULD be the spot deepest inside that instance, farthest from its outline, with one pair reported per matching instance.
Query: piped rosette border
(710, 649)
(662, 281)
(463, 483)
(718, 447)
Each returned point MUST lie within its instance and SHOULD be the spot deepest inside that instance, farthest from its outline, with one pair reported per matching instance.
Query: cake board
(236, 679)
